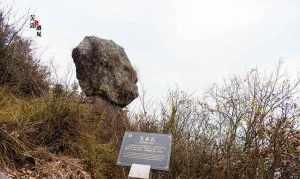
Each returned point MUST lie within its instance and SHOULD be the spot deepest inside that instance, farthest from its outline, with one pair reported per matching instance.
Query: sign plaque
(146, 149)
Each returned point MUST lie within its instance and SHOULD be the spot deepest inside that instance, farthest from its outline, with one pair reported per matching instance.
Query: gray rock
(104, 70)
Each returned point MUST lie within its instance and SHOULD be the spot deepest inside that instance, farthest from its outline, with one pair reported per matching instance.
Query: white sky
(191, 43)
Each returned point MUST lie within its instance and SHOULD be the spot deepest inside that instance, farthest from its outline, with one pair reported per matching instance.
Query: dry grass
(63, 125)
(12, 151)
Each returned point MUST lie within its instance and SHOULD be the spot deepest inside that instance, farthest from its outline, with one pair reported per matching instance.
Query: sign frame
(156, 149)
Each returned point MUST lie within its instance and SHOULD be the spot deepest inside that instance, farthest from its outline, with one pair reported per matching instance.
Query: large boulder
(104, 70)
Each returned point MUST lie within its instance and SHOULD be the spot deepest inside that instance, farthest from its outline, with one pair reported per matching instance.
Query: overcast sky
(191, 43)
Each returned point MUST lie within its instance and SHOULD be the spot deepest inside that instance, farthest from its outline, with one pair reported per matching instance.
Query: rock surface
(104, 70)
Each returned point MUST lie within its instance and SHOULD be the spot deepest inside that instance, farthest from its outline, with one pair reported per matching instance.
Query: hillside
(247, 127)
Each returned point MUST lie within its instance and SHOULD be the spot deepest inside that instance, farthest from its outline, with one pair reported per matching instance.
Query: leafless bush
(258, 114)
(244, 128)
